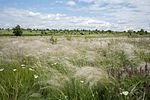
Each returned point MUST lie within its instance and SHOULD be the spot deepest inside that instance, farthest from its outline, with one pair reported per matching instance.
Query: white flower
(2, 69)
(36, 76)
(124, 93)
(66, 96)
(23, 65)
(31, 69)
(82, 81)
(55, 63)
(14, 70)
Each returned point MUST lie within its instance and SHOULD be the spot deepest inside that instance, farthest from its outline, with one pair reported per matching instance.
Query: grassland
(87, 67)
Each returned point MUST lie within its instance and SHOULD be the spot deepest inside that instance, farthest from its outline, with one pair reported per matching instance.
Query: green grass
(17, 82)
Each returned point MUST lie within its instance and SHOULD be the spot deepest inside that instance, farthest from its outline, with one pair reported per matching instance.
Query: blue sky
(76, 14)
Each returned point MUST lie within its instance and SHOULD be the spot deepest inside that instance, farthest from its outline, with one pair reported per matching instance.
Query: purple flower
(119, 75)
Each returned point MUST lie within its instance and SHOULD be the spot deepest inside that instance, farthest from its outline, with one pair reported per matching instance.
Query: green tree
(141, 32)
(17, 31)
(130, 32)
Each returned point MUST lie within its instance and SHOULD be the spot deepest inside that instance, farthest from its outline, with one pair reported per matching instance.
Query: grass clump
(68, 37)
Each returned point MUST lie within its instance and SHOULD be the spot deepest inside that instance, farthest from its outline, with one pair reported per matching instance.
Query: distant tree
(130, 32)
(134, 31)
(141, 32)
(102, 31)
(146, 32)
(109, 31)
(17, 31)
(47, 29)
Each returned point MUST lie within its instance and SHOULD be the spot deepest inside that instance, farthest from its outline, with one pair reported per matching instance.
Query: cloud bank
(48, 20)
(81, 14)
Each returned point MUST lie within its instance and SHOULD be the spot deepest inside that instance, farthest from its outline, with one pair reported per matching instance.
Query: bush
(17, 31)
(53, 40)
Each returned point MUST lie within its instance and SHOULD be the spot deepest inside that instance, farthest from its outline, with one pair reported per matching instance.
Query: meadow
(75, 67)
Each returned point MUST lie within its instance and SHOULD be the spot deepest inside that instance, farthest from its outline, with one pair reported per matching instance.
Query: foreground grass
(75, 69)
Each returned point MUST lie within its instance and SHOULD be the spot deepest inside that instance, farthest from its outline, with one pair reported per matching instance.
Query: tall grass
(18, 81)
(102, 73)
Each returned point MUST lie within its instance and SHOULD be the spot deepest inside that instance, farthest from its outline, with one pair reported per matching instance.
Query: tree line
(18, 31)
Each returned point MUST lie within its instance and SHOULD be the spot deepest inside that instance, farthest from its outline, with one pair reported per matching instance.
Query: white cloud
(59, 2)
(31, 19)
(122, 14)
(107, 14)
(71, 3)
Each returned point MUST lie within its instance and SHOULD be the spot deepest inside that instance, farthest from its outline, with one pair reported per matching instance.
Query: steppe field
(74, 68)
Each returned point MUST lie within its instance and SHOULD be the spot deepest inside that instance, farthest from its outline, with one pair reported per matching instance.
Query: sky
(117, 15)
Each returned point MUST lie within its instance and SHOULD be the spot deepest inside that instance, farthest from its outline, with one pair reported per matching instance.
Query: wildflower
(124, 93)
(23, 65)
(36, 76)
(2, 69)
(31, 69)
(119, 75)
(66, 97)
(82, 81)
(14, 70)
(55, 63)
(146, 68)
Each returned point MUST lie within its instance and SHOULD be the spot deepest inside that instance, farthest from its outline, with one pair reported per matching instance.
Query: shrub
(17, 31)
(53, 40)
